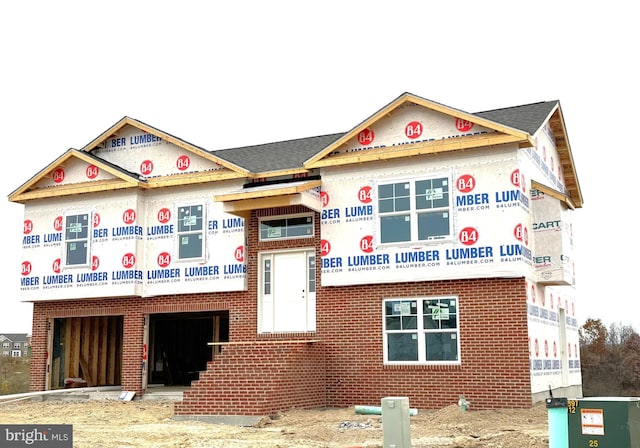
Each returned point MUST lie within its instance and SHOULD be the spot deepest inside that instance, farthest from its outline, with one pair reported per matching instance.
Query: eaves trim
(26, 192)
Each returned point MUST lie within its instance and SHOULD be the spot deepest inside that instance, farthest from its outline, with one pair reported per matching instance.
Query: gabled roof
(530, 118)
(515, 125)
(504, 134)
(113, 130)
(15, 337)
(123, 179)
(527, 118)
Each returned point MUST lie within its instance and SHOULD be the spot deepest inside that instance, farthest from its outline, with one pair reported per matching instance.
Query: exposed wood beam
(192, 178)
(270, 192)
(247, 205)
(72, 189)
(431, 147)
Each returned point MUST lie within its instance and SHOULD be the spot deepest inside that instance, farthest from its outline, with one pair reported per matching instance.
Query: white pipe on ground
(5, 398)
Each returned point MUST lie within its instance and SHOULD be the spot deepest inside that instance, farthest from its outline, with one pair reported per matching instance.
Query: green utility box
(604, 422)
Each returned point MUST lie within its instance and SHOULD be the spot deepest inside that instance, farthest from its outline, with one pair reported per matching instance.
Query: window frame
(413, 211)
(188, 233)
(420, 331)
(66, 240)
(262, 219)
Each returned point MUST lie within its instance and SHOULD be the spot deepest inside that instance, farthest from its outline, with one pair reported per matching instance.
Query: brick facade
(342, 364)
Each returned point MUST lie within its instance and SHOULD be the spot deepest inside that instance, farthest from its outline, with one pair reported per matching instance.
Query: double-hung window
(191, 232)
(76, 239)
(421, 330)
(414, 210)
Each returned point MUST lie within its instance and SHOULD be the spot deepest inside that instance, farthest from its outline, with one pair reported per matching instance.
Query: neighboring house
(15, 345)
(426, 252)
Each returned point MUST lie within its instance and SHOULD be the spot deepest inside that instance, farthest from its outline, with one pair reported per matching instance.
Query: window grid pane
(432, 193)
(77, 227)
(281, 228)
(414, 211)
(435, 318)
(312, 273)
(190, 218)
(395, 228)
(441, 346)
(267, 276)
(190, 231)
(433, 225)
(76, 235)
(76, 253)
(403, 347)
(190, 246)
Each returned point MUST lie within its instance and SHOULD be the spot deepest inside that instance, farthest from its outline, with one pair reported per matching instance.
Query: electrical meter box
(604, 422)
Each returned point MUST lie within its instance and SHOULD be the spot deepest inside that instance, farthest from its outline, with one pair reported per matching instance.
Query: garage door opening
(86, 351)
(178, 345)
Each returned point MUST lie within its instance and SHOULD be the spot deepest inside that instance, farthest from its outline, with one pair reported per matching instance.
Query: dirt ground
(113, 423)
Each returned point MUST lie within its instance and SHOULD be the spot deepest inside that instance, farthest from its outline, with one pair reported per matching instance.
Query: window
(421, 330)
(76, 239)
(16, 345)
(6, 344)
(412, 211)
(286, 227)
(191, 232)
(16, 353)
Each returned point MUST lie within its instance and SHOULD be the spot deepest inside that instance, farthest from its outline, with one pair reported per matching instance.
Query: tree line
(610, 359)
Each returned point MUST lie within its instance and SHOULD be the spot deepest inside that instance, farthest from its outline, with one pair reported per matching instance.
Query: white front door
(287, 297)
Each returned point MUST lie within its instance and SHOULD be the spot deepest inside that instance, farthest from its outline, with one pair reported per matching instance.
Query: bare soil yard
(112, 423)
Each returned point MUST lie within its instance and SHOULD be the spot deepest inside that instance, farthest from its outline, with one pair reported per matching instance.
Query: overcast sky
(227, 74)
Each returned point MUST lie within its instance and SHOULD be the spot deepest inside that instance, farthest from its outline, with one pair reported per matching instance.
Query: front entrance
(287, 293)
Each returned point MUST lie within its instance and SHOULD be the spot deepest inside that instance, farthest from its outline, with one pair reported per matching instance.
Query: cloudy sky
(227, 74)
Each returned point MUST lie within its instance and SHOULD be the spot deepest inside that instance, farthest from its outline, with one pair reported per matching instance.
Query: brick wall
(259, 379)
(493, 338)
(345, 367)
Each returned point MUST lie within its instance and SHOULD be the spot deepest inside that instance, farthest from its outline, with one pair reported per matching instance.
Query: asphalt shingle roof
(292, 154)
(527, 118)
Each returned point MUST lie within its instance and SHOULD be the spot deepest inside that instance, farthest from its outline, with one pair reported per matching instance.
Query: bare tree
(610, 359)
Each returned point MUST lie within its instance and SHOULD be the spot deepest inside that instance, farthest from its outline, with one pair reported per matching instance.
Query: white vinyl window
(414, 210)
(191, 232)
(421, 330)
(76, 239)
(286, 227)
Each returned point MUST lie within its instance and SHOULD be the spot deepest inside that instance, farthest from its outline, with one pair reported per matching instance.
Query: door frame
(262, 301)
